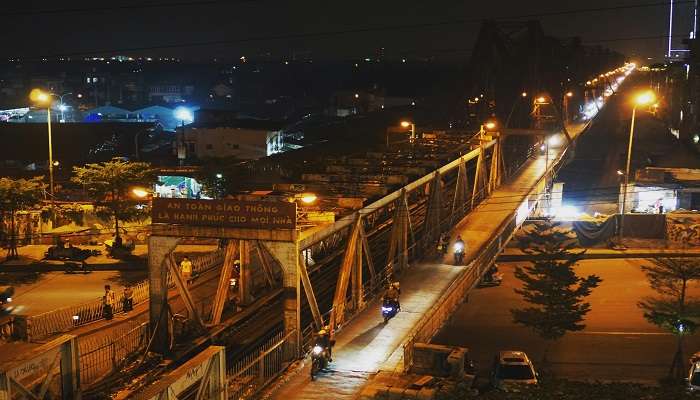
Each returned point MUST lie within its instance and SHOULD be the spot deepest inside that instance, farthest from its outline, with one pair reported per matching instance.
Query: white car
(694, 377)
(512, 370)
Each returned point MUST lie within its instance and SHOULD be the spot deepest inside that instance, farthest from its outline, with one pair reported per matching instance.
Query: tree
(16, 195)
(550, 285)
(220, 176)
(673, 311)
(110, 185)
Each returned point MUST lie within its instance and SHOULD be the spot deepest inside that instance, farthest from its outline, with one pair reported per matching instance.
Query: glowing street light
(642, 99)
(309, 198)
(523, 94)
(490, 125)
(406, 124)
(541, 100)
(140, 192)
(44, 99)
(645, 98)
(569, 94)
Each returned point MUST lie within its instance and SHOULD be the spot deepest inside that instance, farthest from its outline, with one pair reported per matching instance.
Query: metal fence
(43, 325)
(249, 375)
(106, 355)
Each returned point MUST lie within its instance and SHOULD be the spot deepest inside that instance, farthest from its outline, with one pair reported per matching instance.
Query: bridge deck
(365, 345)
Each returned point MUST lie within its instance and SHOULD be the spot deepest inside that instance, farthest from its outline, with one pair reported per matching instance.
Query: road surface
(36, 293)
(617, 343)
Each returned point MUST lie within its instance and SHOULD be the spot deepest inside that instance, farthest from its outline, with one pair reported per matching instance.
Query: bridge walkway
(365, 345)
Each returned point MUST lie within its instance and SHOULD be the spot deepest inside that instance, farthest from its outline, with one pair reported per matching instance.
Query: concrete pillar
(217, 375)
(70, 370)
(287, 255)
(159, 247)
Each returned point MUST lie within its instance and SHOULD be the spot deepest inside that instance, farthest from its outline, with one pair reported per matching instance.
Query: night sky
(28, 33)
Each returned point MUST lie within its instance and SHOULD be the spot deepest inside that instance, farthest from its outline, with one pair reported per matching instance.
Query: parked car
(512, 370)
(694, 376)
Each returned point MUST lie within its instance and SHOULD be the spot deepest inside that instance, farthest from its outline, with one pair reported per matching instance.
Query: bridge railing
(250, 375)
(433, 320)
(43, 325)
(99, 358)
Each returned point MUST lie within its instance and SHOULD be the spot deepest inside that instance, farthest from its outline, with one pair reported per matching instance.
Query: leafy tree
(110, 185)
(673, 311)
(16, 195)
(550, 285)
(220, 176)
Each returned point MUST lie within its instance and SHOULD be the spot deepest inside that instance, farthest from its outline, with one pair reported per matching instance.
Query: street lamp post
(41, 97)
(643, 99)
(406, 124)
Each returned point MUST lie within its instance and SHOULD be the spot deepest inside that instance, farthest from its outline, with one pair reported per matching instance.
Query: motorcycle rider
(323, 339)
(392, 294)
(460, 249)
(444, 243)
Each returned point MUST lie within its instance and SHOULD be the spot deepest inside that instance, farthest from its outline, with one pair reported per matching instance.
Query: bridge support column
(399, 236)
(495, 173)
(287, 255)
(246, 284)
(433, 221)
(159, 249)
(224, 281)
(459, 202)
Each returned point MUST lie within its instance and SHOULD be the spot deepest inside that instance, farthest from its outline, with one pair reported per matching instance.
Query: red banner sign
(225, 213)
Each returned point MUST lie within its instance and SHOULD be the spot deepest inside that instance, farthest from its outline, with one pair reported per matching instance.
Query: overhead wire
(328, 33)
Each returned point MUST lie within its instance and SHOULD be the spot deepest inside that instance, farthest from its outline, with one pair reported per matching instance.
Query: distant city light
(219, 175)
(184, 114)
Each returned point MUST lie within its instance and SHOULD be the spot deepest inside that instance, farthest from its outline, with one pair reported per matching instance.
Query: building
(245, 139)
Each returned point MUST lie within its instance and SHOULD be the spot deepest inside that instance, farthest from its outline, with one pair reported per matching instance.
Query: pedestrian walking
(128, 299)
(108, 301)
(186, 269)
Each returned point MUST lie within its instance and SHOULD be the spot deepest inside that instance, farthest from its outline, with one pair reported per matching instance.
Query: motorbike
(119, 251)
(389, 309)
(459, 253)
(74, 268)
(491, 280)
(319, 359)
(6, 293)
(69, 253)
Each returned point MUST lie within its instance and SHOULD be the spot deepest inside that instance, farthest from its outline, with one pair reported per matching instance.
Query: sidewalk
(365, 345)
(515, 254)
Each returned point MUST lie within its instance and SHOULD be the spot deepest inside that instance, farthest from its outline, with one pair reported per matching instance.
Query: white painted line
(623, 333)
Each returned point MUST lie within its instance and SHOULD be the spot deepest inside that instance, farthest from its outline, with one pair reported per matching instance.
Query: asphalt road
(590, 175)
(617, 343)
(36, 293)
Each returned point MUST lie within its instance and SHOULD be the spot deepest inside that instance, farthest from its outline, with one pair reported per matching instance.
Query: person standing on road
(108, 301)
(186, 269)
(128, 299)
